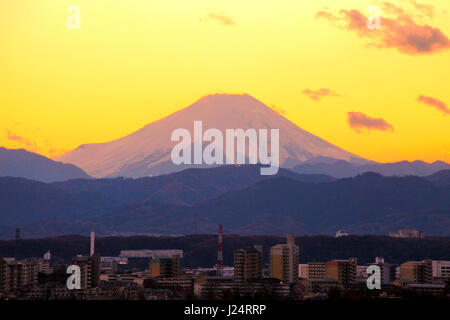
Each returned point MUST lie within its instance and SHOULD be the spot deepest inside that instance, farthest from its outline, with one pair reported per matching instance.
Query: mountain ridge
(25, 164)
(366, 204)
(343, 169)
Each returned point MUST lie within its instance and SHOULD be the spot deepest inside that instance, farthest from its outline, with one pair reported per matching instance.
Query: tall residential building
(284, 261)
(15, 275)
(247, 264)
(388, 273)
(3, 273)
(165, 267)
(90, 270)
(343, 271)
(416, 271)
(316, 270)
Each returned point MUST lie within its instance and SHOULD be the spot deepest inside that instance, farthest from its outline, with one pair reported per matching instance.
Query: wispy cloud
(219, 17)
(434, 102)
(425, 9)
(43, 147)
(360, 122)
(56, 152)
(30, 145)
(316, 95)
(399, 31)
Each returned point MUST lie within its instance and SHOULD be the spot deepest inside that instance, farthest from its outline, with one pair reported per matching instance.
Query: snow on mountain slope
(147, 151)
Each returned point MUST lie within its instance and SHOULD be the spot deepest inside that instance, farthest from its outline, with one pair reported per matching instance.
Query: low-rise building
(221, 287)
(416, 271)
(137, 278)
(165, 267)
(440, 269)
(312, 285)
(181, 283)
(408, 233)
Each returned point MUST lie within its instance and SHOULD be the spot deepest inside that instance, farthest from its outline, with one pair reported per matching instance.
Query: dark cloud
(400, 31)
(320, 93)
(219, 17)
(361, 122)
(434, 102)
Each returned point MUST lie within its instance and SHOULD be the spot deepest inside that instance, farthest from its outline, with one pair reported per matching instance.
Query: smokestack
(92, 243)
(220, 253)
(290, 239)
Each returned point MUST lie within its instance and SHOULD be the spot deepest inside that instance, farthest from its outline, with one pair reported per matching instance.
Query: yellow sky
(136, 61)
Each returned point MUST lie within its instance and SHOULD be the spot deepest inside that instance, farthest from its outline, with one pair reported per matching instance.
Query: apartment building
(247, 264)
(416, 271)
(284, 261)
(343, 271)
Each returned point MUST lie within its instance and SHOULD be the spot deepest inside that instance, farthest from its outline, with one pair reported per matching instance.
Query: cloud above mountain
(42, 145)
(360, 122)
(31, 146)
(317, 95)
(434, 102)
(398, 29)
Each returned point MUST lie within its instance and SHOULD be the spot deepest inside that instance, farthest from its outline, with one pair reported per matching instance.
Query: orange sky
(135, 61)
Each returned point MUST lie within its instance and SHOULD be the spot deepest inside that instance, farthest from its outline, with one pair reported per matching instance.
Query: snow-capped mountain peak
(147, 151)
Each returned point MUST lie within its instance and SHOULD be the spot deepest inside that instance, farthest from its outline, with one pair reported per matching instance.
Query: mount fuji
(147, 151)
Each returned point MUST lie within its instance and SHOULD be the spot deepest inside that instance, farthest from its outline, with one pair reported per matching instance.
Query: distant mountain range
(196, 200)
(24, 164)
(343, 169)
(181, 188)
(21, 163)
